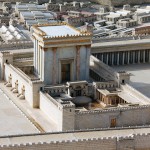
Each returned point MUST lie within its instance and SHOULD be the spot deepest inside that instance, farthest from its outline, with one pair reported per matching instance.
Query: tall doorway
(65, 72)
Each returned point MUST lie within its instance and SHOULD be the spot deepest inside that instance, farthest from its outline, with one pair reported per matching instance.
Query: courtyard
(13, 122)
(139, 76)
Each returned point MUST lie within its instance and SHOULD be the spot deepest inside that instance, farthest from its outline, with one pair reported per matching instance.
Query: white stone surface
(140, 76)
(73, 136)
(35, 115)
(64, 30)
(12, 120)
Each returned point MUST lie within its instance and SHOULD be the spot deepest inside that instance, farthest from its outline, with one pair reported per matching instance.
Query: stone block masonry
(132, 141)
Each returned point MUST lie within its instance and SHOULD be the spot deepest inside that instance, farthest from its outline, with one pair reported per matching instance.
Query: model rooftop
(60, 30)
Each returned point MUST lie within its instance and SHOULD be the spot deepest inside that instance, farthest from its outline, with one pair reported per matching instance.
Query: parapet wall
(120, 38)
(88, 144)
(124, 116)
(16, 45)
(80, 142)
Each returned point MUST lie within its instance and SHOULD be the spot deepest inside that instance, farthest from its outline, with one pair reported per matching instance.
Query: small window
(71, 94)
(113, 122)
(123, 81)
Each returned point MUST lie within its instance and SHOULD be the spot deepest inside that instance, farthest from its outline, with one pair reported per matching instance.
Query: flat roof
(140, 76)
(12, 121)
(128, 97)
(59, 30)
(120, 43)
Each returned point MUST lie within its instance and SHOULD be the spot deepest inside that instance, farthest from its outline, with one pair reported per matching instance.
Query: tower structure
(61, 53)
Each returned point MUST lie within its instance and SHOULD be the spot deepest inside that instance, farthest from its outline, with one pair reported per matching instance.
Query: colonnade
(110, 100)
(124, 57)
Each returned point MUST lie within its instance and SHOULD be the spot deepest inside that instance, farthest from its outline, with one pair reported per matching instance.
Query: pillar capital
(78, 47)
(88, 46)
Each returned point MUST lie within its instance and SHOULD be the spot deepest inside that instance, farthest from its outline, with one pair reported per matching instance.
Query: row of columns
(110, 100)
(124, 57)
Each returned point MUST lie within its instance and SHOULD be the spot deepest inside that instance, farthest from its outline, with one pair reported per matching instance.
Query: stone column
(54, 75)
(40, 63)
(102, 57)
(123, 58)
(88, 53)
(38, 60)
(133, 57)
(34, 53)
(144, 56)
(118, 59)
(139, 56)
(78, 62)
(107, 58)
(149, 55)
(128, 57)
(112, 61)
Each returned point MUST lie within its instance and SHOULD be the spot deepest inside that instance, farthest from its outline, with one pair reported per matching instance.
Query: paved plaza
(140, 76)
(36, 116)
(13, 122)
(71, 136)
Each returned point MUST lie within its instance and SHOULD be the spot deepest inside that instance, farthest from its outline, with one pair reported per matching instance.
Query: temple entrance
(65, 72)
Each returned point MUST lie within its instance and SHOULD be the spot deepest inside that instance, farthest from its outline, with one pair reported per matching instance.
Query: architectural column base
(8, 85)
(15, 90)
(21, 97)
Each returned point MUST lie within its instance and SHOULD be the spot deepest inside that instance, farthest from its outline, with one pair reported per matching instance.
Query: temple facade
(57, 61)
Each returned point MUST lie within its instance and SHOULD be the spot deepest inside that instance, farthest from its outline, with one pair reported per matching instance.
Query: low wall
(105, 144)
(31, 88)
(119, 38)
(67, 142)
(16, 45)
(61, 114)
(52, 109)
(125, 117)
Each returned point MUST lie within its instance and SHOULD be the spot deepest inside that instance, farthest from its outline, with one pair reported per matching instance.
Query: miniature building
(142, 30)
(127, 22)
(63, 62)
(75, 90)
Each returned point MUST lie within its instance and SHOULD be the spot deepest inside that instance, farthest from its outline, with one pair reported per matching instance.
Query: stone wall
(51, 108)
(106, 144)
(31, 87)
(133, 141)
(127, 116)
(16, 45)
(61, 115)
